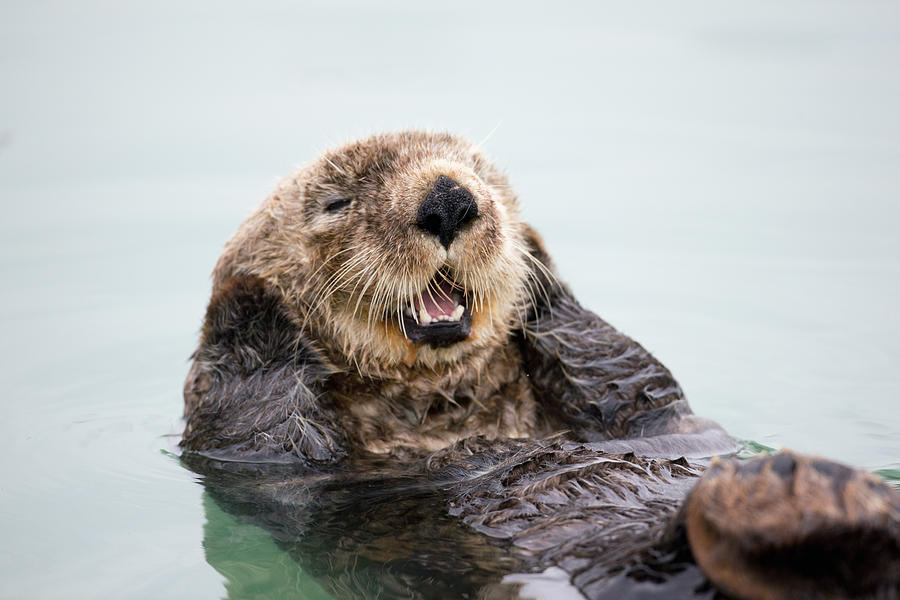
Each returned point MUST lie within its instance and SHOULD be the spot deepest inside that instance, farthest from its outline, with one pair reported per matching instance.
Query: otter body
(361, 260)
(386, 316)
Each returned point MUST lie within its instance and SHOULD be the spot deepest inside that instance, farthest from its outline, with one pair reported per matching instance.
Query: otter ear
(254, 388)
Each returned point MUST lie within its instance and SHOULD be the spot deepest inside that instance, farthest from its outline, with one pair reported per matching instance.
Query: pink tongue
(437, 302)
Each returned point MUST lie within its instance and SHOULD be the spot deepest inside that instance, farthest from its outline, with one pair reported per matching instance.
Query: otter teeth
(422, 317)
(457, 313)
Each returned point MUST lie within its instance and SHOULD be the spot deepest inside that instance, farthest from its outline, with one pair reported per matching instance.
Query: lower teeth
(423, 318)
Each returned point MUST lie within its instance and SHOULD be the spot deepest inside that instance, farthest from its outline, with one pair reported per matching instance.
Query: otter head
(402, 248)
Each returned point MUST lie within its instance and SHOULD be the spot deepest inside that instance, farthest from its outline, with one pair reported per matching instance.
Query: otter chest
(429, 411)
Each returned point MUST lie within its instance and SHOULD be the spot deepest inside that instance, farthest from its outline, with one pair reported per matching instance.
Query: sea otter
(387, 321)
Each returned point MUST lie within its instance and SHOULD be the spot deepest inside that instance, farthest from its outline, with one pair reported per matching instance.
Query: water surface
(720, 184)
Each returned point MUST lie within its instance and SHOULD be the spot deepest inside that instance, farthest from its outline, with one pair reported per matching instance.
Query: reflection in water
(485, 526)
(250, 561)
(369, 537)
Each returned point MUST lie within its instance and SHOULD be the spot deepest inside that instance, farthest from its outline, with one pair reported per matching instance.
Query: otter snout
(446, 209)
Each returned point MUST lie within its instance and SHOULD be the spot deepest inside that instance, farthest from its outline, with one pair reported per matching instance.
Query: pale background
(719, 180)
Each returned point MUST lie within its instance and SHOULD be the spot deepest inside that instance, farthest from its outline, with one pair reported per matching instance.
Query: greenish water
(249, 561)
(721, 183)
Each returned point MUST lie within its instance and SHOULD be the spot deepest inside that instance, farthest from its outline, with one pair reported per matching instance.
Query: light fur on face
(338, 239)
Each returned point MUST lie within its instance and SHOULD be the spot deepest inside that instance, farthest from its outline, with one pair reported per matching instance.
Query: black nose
(446, 209)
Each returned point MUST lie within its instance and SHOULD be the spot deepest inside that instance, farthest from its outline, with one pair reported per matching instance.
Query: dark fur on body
(546, 438)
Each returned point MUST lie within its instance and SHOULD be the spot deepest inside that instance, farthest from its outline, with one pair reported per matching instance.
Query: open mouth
(440, 318)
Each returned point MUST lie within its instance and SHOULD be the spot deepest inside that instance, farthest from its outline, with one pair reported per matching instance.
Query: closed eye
(338, 204)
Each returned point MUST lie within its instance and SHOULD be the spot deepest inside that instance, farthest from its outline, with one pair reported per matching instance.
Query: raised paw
(792, 526)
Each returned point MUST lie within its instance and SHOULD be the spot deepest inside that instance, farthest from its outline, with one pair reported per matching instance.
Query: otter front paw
(790, 526)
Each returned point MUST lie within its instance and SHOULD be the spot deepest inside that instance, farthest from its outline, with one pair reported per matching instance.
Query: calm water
(722, 185)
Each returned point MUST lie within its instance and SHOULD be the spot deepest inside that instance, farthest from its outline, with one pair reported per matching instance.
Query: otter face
(403, 248)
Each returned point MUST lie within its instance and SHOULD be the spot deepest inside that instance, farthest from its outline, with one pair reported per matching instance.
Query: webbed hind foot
(791, 526)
